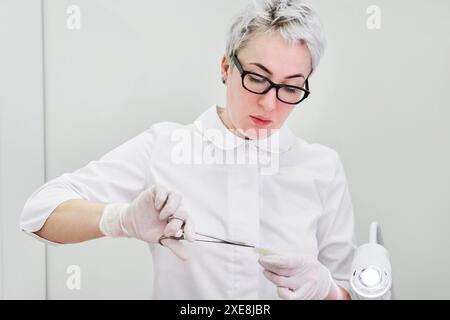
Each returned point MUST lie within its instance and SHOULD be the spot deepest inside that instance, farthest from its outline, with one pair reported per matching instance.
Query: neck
(223, 115)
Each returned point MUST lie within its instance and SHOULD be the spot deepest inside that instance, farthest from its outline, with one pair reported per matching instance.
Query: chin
(254, 133)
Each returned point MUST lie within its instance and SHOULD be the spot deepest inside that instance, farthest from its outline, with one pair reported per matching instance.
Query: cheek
(241, 104)
(283, 113)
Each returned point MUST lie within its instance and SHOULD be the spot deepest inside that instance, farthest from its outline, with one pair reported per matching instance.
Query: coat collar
(212, 128)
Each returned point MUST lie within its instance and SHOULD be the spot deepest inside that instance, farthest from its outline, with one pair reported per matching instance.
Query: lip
(261, 122)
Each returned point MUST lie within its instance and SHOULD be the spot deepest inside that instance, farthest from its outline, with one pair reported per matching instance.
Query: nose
(269, 100)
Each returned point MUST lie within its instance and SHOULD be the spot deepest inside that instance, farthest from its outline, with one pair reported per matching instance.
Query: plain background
(380, 98)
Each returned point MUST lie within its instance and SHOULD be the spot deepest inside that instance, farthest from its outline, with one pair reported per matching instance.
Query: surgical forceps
(212, 239)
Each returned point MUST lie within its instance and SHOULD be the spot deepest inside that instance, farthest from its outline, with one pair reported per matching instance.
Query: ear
(224, 67)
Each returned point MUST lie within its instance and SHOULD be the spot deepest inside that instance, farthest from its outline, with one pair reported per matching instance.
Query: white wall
(22, 259)
(378, 98)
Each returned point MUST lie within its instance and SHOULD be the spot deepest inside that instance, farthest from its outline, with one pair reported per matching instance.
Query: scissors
(212, 239)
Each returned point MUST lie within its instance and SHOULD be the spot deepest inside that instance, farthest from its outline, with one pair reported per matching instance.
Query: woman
(238, 172)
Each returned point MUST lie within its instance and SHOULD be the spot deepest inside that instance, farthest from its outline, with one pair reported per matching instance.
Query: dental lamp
(371, 270)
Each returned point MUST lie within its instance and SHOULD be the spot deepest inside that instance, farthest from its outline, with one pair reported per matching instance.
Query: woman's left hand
(300, 277)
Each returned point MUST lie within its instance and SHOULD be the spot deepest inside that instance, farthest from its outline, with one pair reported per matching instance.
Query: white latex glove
(147, 218)
(300, 277)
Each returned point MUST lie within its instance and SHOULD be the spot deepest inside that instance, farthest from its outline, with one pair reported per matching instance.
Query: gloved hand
(300, 277)
(156, 212)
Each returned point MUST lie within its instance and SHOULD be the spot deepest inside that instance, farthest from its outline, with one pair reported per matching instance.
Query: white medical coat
(302, 208)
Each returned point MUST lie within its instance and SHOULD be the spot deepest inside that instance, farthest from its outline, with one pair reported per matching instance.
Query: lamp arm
(376, 236)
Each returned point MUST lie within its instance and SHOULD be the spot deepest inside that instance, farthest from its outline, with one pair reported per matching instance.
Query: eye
(256, 79)
(290, 90)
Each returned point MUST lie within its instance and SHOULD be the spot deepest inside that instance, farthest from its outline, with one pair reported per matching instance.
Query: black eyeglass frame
(277, 86)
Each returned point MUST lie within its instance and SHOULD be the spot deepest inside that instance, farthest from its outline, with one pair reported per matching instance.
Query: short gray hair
(296, 20)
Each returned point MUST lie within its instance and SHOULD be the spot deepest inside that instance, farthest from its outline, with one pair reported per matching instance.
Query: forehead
(277, 54)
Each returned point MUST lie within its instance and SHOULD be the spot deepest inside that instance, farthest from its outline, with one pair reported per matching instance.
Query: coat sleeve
(118, 176)
(335, 234)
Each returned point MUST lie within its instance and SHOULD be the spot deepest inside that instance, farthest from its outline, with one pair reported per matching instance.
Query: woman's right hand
(148, 218)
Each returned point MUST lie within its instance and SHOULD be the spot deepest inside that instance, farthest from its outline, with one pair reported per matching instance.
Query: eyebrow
(269, 72)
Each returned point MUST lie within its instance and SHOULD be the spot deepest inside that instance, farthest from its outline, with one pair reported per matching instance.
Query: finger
(285, 293)
(275, 268)
(145, 199)
(292, 282)
(177, 248)
(282, 261)
(173, 227)
(176, 223)
(279, 281)
(307, 291)
(161, 194)
(281, 271)
(189, 230)
(181, 222)
(171, 206)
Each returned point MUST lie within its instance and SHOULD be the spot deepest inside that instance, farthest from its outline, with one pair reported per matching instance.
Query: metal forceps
(212, 239)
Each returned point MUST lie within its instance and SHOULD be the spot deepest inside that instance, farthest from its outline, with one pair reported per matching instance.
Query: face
(271, 56)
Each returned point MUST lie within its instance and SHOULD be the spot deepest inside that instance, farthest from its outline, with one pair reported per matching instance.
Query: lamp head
(371, 271)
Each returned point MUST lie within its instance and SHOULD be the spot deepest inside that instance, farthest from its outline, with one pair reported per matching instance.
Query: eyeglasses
(258, 84)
